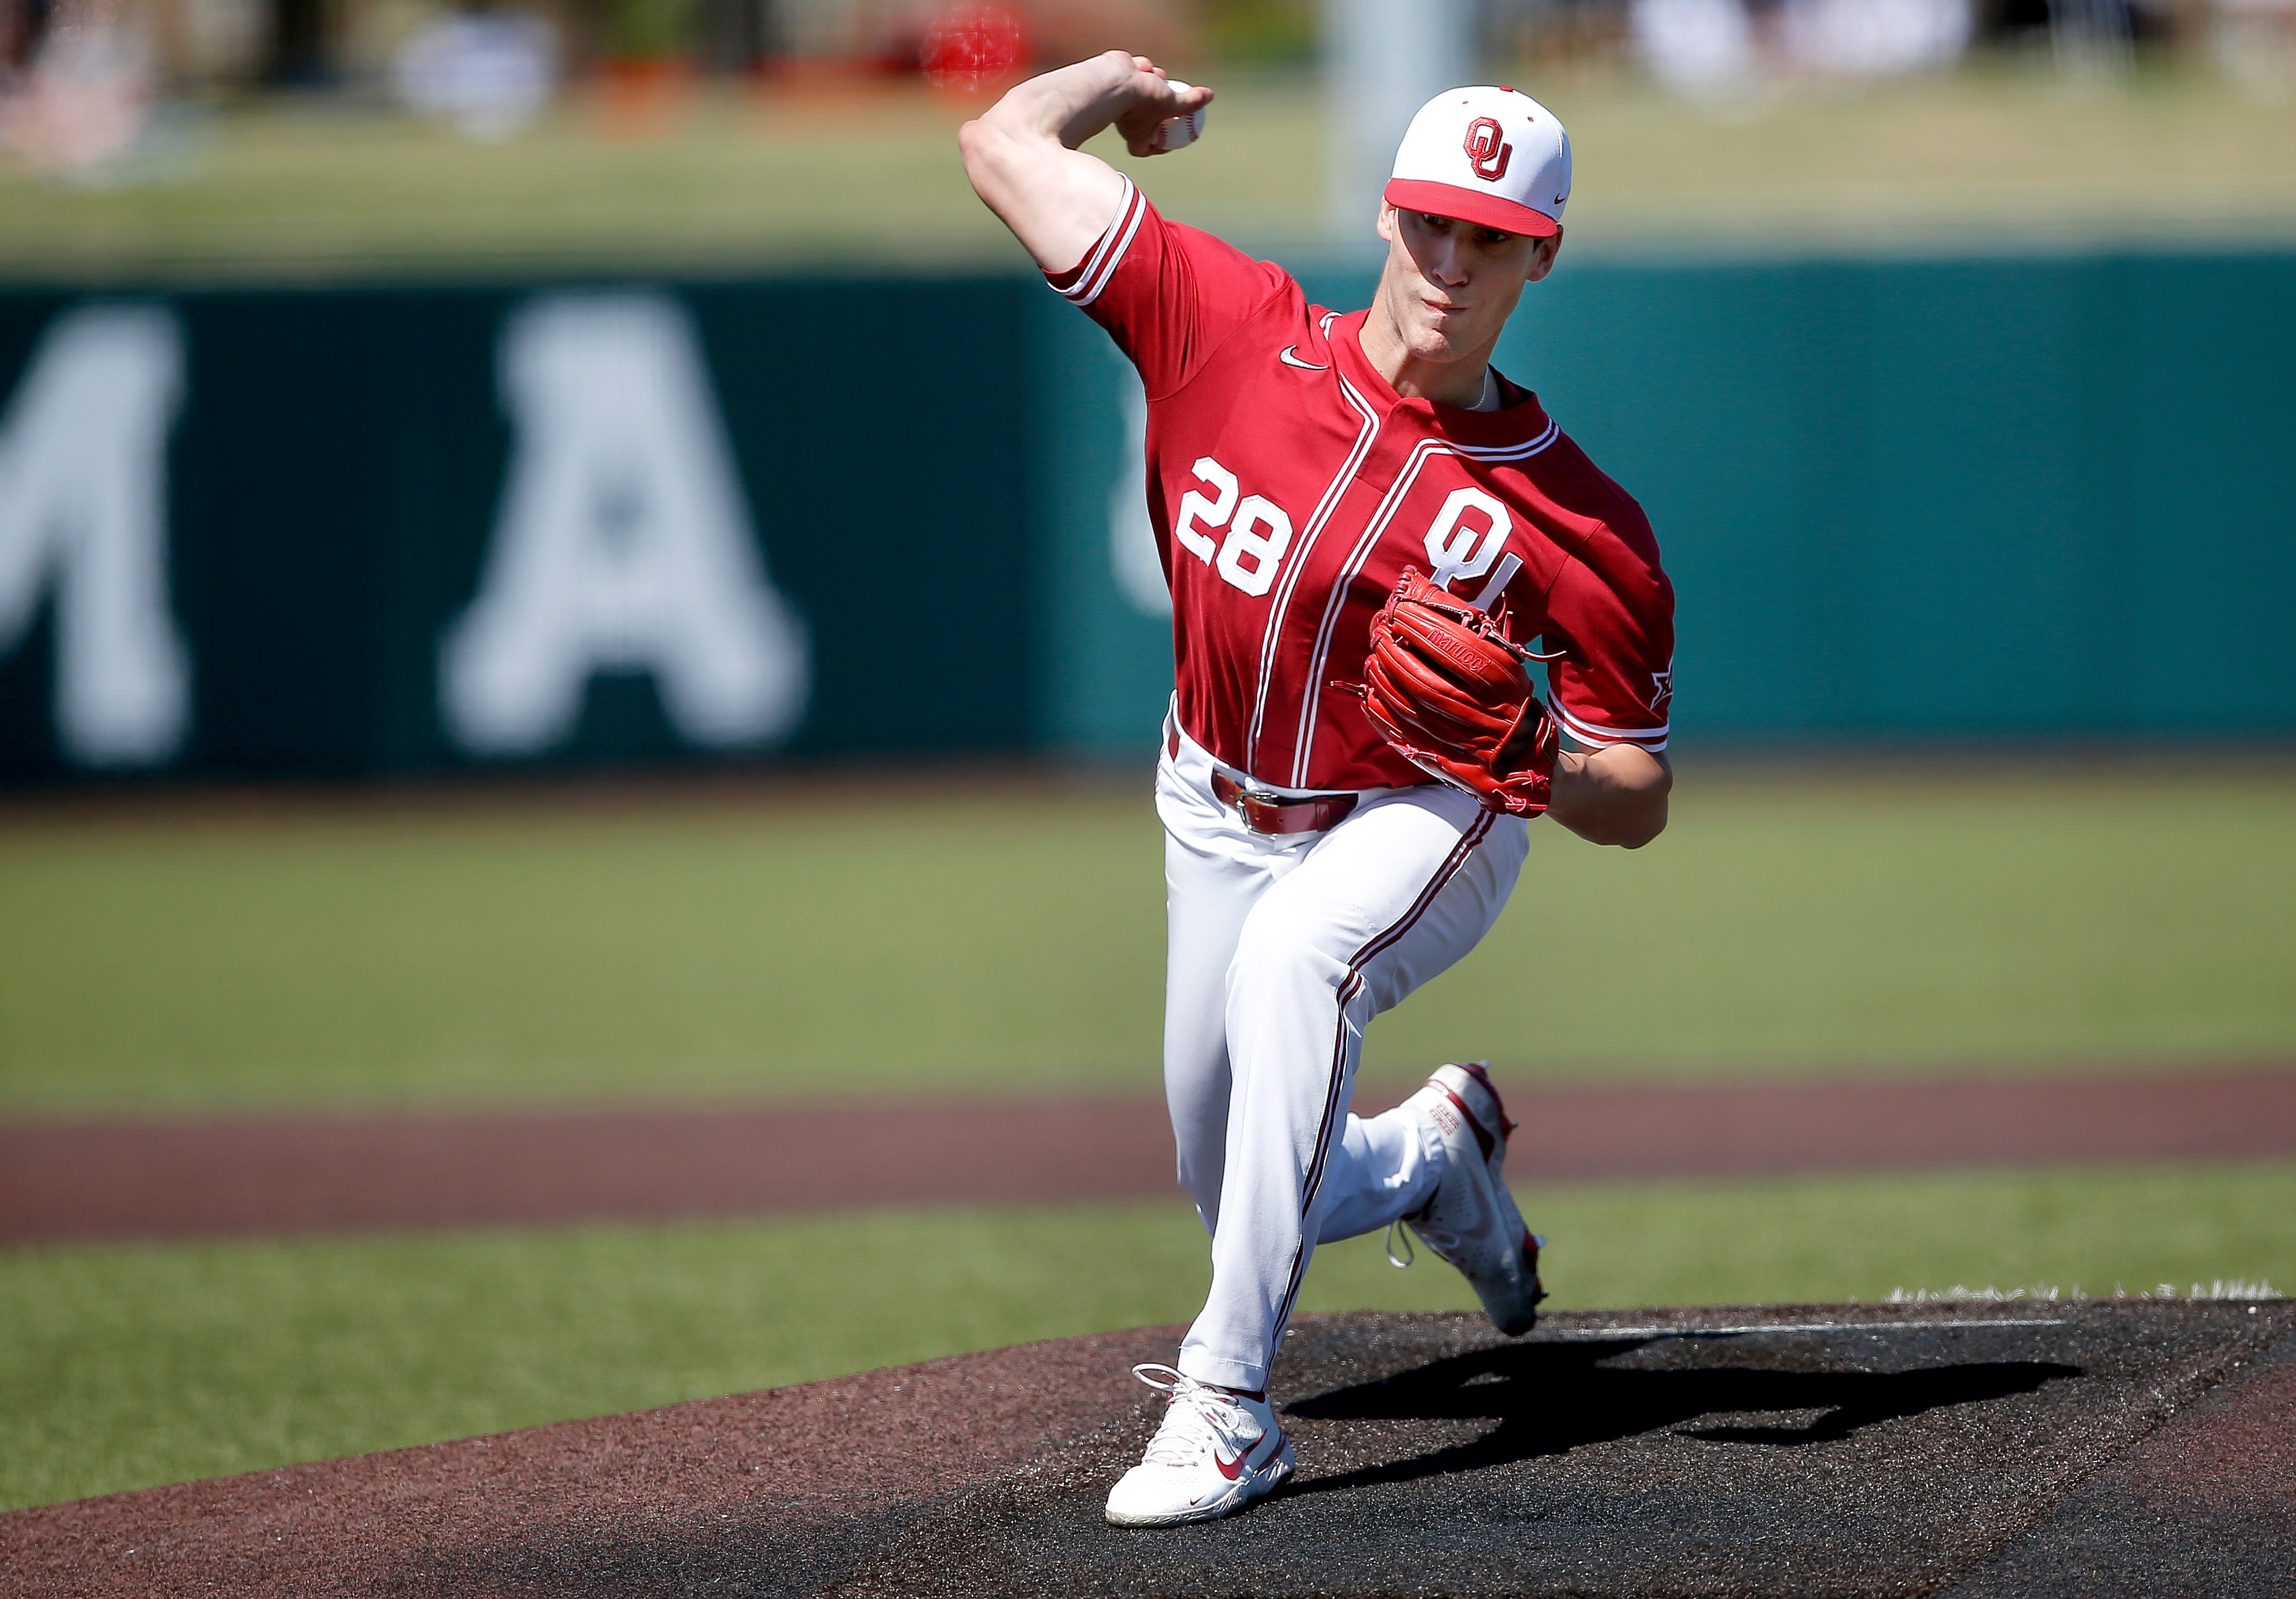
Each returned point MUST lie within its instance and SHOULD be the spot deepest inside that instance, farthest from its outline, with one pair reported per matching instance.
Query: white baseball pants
(1282, 951)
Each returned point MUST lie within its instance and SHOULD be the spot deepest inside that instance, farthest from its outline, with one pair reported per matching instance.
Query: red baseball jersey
(1289, 485)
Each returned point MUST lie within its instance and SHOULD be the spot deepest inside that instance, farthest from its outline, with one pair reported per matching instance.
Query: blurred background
(555, 564)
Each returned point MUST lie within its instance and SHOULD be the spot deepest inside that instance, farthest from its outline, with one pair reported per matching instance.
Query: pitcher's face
(1448, 285)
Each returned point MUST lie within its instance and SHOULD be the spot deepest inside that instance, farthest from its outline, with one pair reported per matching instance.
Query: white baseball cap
(1489, 155)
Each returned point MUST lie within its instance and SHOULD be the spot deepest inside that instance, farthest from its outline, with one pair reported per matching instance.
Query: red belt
(1273, 814)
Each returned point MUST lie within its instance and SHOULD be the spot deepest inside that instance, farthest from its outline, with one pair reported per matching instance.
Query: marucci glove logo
(1488, 149)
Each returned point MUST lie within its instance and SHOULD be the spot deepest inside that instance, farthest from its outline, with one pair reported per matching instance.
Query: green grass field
(131, 1366)
(836, 179)
(504, 949)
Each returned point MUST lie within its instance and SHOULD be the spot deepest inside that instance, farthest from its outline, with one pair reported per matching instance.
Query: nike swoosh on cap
(1289, 357)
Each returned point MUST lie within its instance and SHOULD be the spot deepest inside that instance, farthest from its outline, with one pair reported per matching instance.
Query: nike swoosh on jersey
(1290, 358)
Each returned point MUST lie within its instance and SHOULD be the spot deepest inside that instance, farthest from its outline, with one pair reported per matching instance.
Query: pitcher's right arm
(1022, 158)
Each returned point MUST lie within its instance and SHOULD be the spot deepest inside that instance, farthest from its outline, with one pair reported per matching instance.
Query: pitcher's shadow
(1548, 1399)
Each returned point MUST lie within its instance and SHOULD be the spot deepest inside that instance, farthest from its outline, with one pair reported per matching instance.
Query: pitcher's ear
(1542, 259)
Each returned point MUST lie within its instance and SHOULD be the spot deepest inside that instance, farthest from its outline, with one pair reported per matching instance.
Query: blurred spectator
(1067, 31)
(210, 41)
(23, 23)
(1712, 46)
(734, 37)
(2091, 37)
(86, 98)
(969, 47)
(490, 72)
(305, 36)
(884, 37)
(1552, 38)
(2254, 41)
(1873, 38)
(1698, 46)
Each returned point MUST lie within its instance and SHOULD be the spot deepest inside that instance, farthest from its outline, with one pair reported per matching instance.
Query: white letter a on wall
(83, 506)
(623, 544)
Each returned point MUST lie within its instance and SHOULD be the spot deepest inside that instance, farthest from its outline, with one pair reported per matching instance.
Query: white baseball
(1177, 133)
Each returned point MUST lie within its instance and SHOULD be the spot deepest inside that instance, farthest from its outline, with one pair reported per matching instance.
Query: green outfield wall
(360, 531)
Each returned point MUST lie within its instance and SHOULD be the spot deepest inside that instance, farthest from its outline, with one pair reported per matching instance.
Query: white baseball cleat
(1472, 1222)
(1215, 1453)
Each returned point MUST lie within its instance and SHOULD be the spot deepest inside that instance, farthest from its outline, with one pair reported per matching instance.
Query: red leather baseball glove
(1445, 686)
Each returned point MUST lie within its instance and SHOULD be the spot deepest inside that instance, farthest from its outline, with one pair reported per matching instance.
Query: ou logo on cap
(1486, 149)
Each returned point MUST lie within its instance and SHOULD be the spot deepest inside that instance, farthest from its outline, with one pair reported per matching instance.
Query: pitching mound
(2113, 1447)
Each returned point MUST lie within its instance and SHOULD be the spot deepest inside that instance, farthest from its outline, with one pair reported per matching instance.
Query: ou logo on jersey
(1487, 149)
(1464, 541)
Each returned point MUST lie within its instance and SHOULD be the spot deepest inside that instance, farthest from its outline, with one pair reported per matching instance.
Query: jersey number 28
(1259, 531)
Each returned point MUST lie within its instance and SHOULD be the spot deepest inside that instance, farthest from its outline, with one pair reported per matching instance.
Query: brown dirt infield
(2097, 1449)
(63, 1181)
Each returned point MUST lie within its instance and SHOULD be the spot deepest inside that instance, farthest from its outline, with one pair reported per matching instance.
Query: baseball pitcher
(1366, 529)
